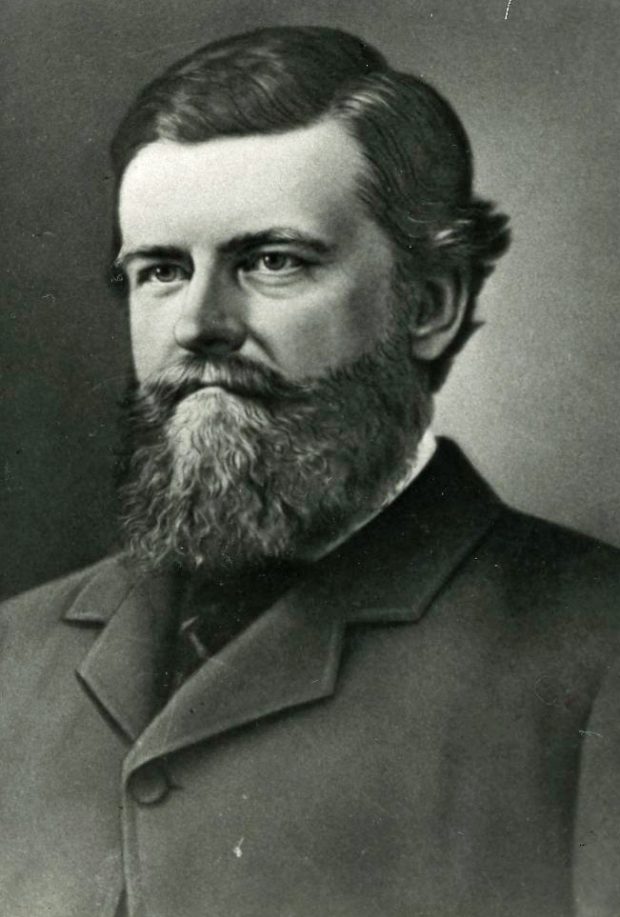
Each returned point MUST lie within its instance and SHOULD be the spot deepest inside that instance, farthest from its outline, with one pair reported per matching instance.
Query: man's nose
(211, 319)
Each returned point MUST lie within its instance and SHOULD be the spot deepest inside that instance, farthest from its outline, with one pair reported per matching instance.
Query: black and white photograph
(310, 530)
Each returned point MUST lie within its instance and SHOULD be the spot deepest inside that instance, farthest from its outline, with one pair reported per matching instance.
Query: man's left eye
(273, 263)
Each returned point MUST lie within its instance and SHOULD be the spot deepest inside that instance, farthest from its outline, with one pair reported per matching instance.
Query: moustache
(234, 374)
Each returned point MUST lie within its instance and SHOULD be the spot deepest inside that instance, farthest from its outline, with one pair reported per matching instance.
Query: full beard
(260, 470)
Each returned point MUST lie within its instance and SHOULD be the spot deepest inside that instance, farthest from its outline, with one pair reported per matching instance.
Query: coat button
(149, 785)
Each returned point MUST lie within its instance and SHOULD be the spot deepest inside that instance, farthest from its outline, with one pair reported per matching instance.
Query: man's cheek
(148, 346)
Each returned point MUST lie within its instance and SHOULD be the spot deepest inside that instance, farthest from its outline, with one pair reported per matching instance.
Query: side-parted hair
(418, 185)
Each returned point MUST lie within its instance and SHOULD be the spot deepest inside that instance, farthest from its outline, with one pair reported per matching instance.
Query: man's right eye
(161, 273)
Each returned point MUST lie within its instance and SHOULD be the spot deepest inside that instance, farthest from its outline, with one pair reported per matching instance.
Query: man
(330, 674)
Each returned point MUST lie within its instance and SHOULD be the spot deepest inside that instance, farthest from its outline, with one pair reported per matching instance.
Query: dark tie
(214, 614)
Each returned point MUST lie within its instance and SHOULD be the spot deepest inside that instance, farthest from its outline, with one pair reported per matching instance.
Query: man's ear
(438, 315)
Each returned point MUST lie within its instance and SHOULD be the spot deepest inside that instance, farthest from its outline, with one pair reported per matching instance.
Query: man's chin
(208, 394)
(210, 391)
(207, 404)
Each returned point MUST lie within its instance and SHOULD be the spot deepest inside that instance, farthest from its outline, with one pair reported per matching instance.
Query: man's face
(257, 246)
(277, 397)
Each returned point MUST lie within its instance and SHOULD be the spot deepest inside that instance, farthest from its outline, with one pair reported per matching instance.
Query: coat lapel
(121, 670)
(289, 656)
(389, 571)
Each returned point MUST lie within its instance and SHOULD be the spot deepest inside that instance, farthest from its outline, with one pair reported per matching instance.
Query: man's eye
(162, 273)
(273, 263)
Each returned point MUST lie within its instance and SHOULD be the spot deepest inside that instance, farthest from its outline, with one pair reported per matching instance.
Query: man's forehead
(306, 177)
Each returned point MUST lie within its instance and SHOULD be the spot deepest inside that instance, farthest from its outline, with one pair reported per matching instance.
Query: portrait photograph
(310, 593)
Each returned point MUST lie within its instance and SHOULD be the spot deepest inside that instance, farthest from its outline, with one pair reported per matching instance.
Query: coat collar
(389, 571)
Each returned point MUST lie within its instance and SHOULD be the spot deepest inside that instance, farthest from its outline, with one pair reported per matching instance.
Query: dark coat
(427, 727)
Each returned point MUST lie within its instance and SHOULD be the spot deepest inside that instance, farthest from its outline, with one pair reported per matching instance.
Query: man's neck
(419, 460)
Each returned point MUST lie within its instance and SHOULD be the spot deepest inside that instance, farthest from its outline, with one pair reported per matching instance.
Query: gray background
(532, 399)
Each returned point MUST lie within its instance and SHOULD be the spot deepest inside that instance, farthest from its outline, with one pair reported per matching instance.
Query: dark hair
(419, 182)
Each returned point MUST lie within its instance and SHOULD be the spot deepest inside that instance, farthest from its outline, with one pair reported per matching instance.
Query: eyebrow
(274, 236)
(159, 252)
(237, 245)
